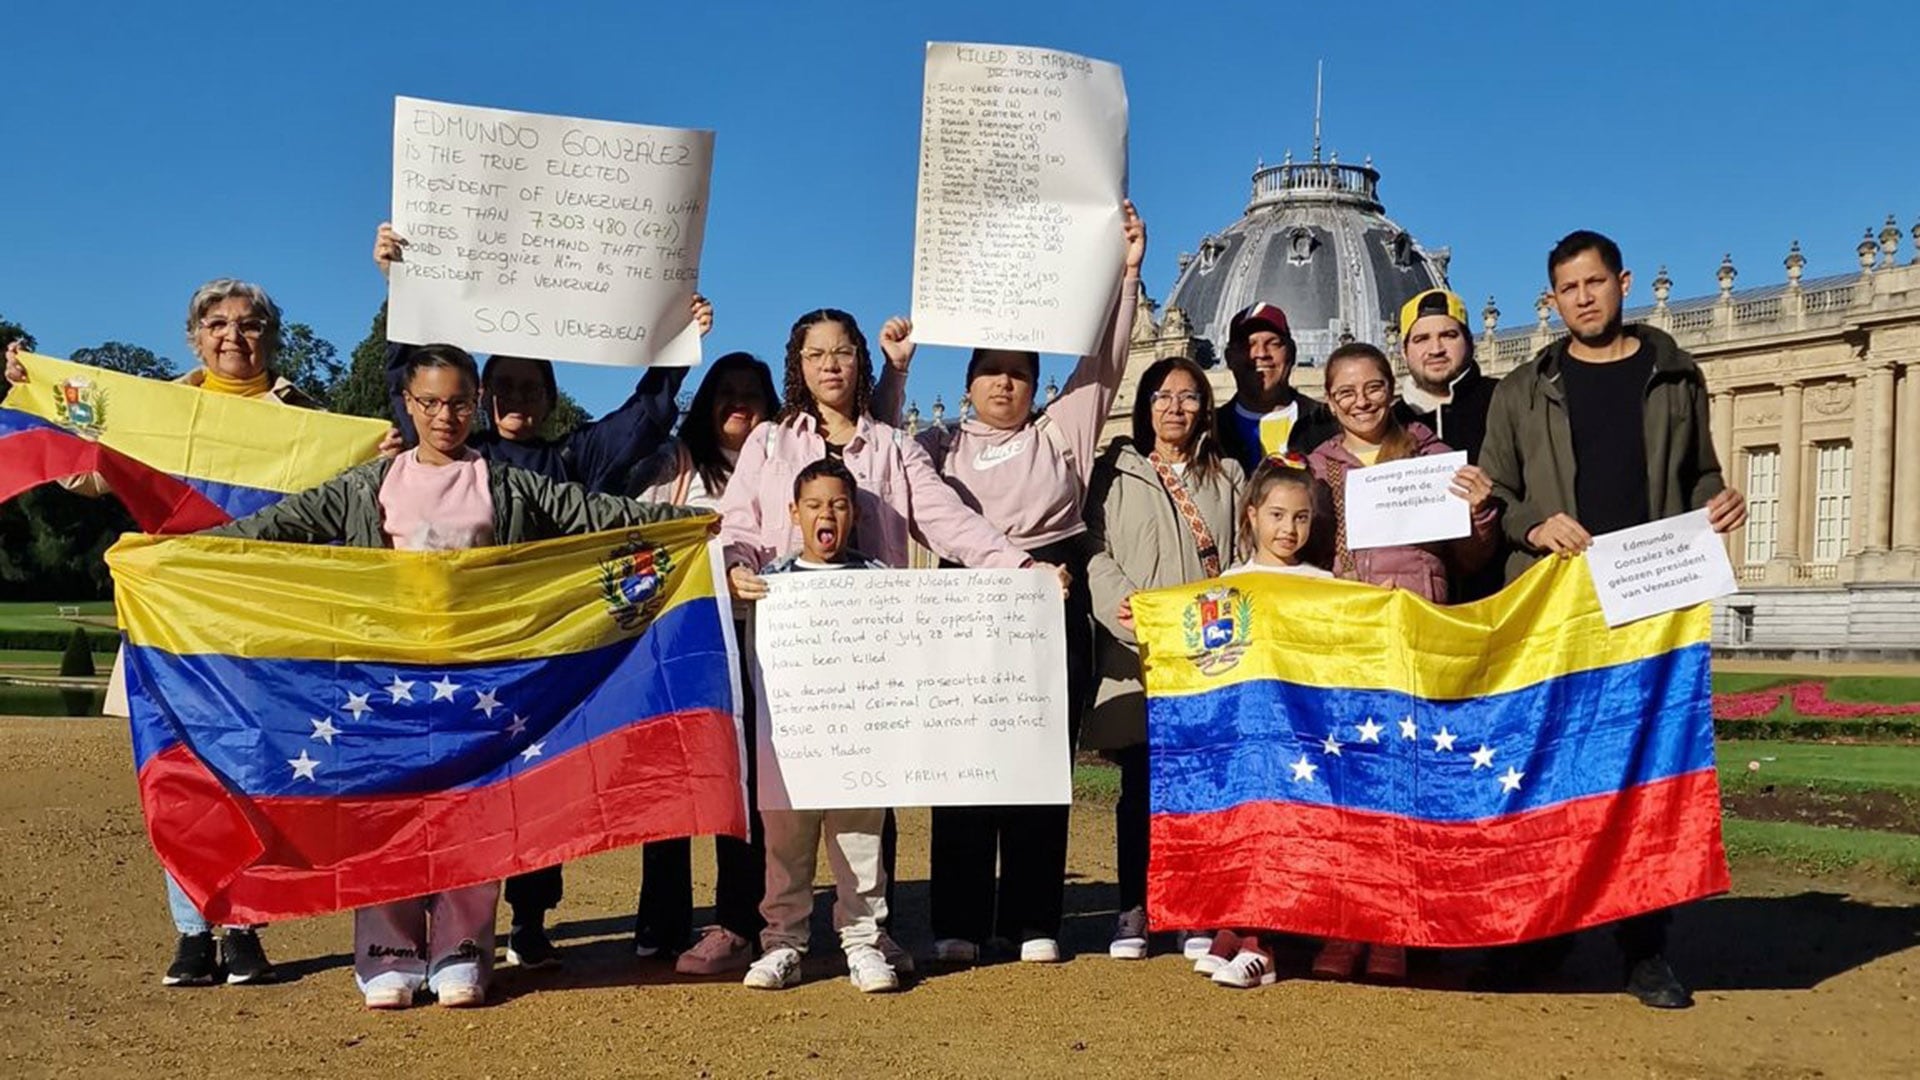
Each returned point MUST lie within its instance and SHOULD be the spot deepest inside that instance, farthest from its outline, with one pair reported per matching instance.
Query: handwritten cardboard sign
(547, 236)
(1023, 166)
(911, 688)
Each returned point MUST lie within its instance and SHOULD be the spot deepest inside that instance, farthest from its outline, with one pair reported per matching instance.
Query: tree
(362, 391)
(307, 360)
(566, 415)
(78, 659)
(10, 330)
(130, 359)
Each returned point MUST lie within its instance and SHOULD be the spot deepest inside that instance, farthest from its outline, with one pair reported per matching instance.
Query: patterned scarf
(1197, 525)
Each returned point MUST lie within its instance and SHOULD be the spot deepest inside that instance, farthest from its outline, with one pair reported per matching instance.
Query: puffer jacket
(1141, 542)
(1425, 570)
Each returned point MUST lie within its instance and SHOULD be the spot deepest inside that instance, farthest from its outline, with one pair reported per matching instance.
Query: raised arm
(890, 393)
(600, 453)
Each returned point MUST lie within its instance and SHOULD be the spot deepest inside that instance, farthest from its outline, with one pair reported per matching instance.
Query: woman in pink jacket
(1360, 390)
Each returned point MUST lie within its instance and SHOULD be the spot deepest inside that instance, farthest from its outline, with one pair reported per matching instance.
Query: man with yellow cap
(1443, 389)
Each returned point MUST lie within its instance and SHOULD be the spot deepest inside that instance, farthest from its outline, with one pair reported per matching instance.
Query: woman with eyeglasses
(1160, 511)
(234, 330)
(439, 495)
(1360, 391)
(830, 413)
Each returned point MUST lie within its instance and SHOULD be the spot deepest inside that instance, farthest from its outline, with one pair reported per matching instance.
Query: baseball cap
(1431, 302)
(1259, 316)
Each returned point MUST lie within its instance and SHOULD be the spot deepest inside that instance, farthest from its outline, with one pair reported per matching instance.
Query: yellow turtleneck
(214, 382)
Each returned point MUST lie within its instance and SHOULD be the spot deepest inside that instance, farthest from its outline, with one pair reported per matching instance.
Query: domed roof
(1316, 241)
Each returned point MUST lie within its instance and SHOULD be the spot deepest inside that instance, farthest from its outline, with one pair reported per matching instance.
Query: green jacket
(526, 507)
(1528, 452)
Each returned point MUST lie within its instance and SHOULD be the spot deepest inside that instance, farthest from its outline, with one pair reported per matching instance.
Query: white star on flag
(324, 730)
(1408, 730)
(1483, 757)
(443, 690)
(487, 703)
(303, 766)
(1444, 740)
(357, 704)
(1303, 769)
(1370, 731)
(518, 727)
(1331, 746)
(1511, 781)
(532, 752)
(401, 689)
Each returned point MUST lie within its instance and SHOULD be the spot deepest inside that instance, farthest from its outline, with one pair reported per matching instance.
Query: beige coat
(1141, 542)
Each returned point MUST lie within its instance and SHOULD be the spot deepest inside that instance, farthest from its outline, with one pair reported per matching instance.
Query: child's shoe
(462, 995)
(1040, 950)
(1337, 959)
(777, 970)
(1387, 963)
(719, 951)
(867, 967)
(1220, 952)
(1130, 935)
(1246, 971)
(1195, 944)
(956, 951)
(389, 997)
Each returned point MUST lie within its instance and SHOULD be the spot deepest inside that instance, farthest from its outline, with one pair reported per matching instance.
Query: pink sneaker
(1337, 959)
(1387, 963)
(719, 951)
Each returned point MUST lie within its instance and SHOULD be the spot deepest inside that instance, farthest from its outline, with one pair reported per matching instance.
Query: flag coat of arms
(178, 458)
(1346, 761)
(320, 728)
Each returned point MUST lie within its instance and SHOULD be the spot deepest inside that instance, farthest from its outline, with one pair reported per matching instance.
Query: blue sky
(150, 149)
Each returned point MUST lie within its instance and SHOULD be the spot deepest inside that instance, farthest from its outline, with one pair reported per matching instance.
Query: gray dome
(1316, 241)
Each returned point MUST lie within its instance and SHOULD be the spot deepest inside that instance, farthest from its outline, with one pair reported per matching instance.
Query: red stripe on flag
(159, 502)
(1362, 876)
(261, 860)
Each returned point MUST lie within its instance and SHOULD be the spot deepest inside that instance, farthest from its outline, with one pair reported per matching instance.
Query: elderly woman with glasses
(1160, 512)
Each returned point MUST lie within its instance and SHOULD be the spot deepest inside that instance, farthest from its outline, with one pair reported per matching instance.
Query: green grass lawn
(16, 661)
(41, 614)
(1821, 850)
(1823, 765)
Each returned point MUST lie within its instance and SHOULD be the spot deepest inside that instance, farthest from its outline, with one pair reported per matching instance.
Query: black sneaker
(245, 961)
(529, 947)
(196, 962)
(1652, 982)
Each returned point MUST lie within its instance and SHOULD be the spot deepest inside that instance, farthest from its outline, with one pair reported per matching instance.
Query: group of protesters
(1605, 429)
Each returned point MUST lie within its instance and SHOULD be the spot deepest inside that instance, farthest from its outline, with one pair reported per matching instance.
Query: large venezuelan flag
(1344, 761)
(180, 459)
(319, 728)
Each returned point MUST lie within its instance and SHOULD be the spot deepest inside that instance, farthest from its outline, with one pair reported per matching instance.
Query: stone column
(1722, 420)
(1906, 525)
(1787, 533)
(1880, 462)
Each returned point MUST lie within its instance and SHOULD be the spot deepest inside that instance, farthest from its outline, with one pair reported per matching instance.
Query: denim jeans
(187, 918)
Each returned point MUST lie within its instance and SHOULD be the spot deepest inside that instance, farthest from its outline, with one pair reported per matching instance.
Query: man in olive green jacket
(1603, 430)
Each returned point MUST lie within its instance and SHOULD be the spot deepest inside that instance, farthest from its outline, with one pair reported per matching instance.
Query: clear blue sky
(151, 147)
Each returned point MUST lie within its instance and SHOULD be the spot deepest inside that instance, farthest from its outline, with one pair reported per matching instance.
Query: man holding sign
(1605, 429)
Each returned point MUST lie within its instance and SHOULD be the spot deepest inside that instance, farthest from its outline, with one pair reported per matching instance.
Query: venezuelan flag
(1345, 761)
(180, 459)
(319, 728)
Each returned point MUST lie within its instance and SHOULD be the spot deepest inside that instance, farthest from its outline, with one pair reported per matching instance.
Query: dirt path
(1796, 978)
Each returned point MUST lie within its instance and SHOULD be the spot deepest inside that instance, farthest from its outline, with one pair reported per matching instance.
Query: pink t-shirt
(437, 507)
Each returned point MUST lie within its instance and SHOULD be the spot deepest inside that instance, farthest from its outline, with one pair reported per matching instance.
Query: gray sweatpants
(429, 941)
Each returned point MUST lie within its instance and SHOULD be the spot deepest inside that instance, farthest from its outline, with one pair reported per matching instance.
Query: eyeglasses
(460, 406)
(248, 328)
(1347, 395)
(1183, 399)
(842, 353)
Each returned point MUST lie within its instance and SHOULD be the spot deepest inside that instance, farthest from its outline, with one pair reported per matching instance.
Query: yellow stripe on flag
(190, 433)
(250, 598)
(1317, 632)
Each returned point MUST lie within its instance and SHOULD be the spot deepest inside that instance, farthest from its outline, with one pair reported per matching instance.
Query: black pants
(1132, 817)
(532, 894)
(1029, 841)
(665, 909)
(1639, 937)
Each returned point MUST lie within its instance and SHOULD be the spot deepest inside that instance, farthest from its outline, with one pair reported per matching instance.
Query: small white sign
(1658, 567)
(546, 236)
(911, 688)
(1406, 502)
(1023, 166)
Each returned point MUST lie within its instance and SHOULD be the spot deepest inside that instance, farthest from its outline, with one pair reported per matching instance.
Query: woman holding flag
(439, 495)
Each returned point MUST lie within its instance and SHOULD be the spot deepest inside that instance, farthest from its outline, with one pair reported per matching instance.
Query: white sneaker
(389, 997)
(1196, 944)
(898, 958)
(777, 970)
(1130, 935)
(719, 951)
(462, 995)
(950, 950)
(1246, 971)
(867, 967)
(1040, 950)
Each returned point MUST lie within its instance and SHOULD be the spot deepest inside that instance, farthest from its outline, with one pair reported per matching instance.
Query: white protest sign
(1023, 166)
(546, 236)
(911, 688)
(1406, 502)
(1658, 567)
